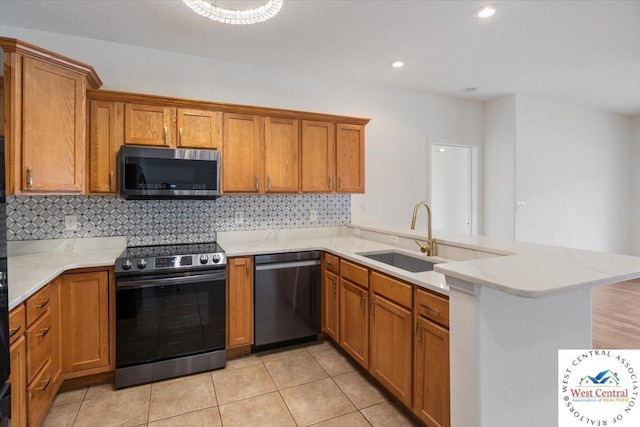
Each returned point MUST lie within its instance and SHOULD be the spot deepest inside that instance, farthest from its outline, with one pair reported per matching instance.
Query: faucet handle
(423, 248)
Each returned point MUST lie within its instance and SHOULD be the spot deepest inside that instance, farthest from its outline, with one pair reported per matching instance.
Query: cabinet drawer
(332, 263)
(354, 273)
(17, 323)
(432, 307)
(38, 304)
(38, 344)
(39, 395)
(391, 289)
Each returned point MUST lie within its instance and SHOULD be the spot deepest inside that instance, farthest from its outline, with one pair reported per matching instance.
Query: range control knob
(126, 264)
(204, 259)
(142, 263)
(216, 258)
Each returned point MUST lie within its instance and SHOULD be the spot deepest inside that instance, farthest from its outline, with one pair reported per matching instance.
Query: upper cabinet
(281, 155)
(105, 139)
(318, 156)
(148, 125)
(45, 119)
(242, 158)
(199, 128)
(350, 158)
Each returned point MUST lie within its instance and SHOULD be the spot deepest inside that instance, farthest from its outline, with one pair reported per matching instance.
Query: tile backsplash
(146, 222)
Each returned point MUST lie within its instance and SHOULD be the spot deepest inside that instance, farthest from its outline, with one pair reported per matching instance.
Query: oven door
(167, 316)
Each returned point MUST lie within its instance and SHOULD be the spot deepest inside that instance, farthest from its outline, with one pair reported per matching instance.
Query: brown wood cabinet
(45, 129)
(106, 136)
(330, 305)
(56, 347)
(354, 311)
(350, 158)
(148, 125)
(281, 155)
(199, 128)
(391, 335)
(242, 163)
(318, 156)
(431, 400)
(18, 379)
(2, 97)
(85, 323)
(239, 302)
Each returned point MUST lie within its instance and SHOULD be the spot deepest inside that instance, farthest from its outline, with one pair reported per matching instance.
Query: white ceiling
(581, 52)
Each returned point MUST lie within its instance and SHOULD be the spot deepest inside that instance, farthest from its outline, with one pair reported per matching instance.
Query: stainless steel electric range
(170, 312)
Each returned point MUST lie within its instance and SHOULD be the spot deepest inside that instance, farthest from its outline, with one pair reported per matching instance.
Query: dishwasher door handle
(293, 264)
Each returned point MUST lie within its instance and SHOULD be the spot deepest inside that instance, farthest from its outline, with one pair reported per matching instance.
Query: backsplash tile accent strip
(146, 222)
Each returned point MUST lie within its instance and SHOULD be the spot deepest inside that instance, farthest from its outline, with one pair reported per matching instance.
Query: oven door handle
(147, 283)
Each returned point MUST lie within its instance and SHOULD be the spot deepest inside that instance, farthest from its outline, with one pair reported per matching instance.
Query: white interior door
(451, 188)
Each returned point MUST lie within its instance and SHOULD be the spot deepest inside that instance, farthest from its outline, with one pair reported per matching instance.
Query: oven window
(165, 322)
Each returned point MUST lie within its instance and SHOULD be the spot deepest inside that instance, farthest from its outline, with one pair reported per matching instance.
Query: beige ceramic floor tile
(128, 407)
(62, 415)
(70, 396)
(385, 415)
(332, 361)
(319, 345)
(180, 396)
(207, 417)
(268, 356)
(242, 383)
(317, 401)
(359, 390)
(244, 361)
(295, 370)
(267, 410)
(354, 419)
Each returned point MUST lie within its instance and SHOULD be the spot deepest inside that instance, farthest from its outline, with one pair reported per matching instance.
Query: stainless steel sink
(401, 260)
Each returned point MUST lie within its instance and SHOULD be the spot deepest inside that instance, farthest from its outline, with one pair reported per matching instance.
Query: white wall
(635, 186)
(498, 168)
(573, 172)
(396, 137)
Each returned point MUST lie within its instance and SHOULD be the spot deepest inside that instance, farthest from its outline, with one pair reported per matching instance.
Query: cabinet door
(239, 302)
(431, 393)
(85, 321)
(56, 347)
(18, 379)
(106, 136)
(2, 97)
(350, 158)
(281, 147)
(391, 347)
(148, 125)
(53, 128)
(354, 321)
(242, 154)
(318, 157)
(330, 305)
(199, 129)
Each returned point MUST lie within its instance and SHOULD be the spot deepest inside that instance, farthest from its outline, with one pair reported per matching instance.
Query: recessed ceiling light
(485, 12)
(397, 64)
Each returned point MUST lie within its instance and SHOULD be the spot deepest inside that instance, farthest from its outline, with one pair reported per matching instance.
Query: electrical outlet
(363, 208)
(239, 217)
(70, 222)
(393, 239)
(313, 215)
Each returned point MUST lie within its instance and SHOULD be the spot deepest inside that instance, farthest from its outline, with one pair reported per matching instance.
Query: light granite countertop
(32, 264)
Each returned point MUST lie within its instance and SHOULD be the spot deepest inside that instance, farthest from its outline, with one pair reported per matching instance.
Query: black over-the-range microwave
(163, 173)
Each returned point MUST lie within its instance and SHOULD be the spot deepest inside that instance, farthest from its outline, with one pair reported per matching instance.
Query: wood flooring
(616, 316)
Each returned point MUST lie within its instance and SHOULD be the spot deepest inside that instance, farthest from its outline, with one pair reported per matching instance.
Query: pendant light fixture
(211, 9)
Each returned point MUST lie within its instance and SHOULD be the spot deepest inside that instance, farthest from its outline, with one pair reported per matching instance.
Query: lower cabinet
(391, 347)
(18, 379)
(85, 325)
(239, 302)
(431, 397)
(354, 321)
(330, 304)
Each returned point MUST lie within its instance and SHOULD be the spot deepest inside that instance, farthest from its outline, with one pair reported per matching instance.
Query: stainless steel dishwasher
(287, 291)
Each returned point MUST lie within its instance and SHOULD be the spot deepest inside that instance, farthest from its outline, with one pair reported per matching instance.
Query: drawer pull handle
(43, 304)
(43, 332)
(14, 331)
(330, 263)
(435, 310)
(46, 384)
